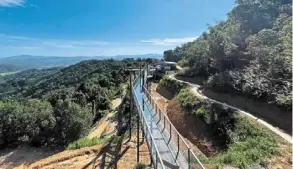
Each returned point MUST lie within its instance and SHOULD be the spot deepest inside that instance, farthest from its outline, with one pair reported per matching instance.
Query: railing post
(164, 123)
(189, 159)
(142, 103)
(151, 154)
(142, 129)
(160, 114)
(156, 159)
(137, 137)
(170, 133)
(177, 146)
(178, 141)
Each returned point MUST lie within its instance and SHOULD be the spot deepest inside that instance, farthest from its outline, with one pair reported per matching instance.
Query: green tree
(72, 121)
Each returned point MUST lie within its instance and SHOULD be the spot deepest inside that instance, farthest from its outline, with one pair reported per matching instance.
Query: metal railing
(154, 152)
(179, 148)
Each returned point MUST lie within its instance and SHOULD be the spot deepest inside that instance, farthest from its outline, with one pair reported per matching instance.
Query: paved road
(197, 92)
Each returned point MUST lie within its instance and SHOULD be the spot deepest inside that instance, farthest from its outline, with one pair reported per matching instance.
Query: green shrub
(225, 82)
(172, 84)
(188, 100)
(33, 119)
(73, 121)
(247, 152)
(201, 113)
(252, 146)
(140, 165)
(220, 119)
(85, 142)
(284, 101)
(243, 143)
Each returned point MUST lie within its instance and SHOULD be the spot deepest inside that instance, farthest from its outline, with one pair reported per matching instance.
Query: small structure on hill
(158, 70)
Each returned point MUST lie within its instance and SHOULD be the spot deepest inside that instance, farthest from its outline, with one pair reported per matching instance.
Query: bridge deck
(171, 151)
(158, 137)
(160, 132)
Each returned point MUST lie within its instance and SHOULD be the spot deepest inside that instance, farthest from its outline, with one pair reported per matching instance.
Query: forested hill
(250, 53)
(24, 62)
(59, 105)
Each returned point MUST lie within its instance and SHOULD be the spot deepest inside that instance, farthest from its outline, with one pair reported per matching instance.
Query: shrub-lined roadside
(243, 143)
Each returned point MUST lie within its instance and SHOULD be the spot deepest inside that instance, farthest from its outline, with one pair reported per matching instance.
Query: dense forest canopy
(250, 53)
(59, 105)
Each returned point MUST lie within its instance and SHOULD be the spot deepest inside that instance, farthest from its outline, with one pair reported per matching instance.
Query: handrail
(165, 142)
(172, 127)
(165, 116)
(143, 122)
(148, 130)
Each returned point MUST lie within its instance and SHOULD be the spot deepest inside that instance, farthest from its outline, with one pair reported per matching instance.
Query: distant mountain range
(24, 62)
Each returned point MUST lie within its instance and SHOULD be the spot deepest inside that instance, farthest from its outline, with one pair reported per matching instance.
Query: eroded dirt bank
(192, 128)
(169, 103)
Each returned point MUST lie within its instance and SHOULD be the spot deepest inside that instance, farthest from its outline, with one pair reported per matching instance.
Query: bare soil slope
(189, 126)
(117, 155)
(12, 157)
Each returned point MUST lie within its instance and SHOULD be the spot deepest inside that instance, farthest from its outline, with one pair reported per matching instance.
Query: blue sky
(103, 27)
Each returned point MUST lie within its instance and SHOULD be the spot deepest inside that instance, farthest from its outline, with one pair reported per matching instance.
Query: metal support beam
(140, 76)
(130, 106)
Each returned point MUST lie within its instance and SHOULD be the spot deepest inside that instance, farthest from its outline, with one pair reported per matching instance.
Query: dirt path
(107, 125)
(196, 91)
(115, 103)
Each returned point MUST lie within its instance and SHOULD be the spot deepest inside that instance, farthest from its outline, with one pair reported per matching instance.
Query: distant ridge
(24, 62)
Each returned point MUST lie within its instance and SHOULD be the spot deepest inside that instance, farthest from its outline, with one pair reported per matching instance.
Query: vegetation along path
(195, 89)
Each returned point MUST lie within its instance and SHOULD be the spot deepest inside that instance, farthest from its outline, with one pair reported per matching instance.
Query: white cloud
(11, 3)
(56, 43)
(169, 41)
(17, 45)
(16, 37)
(89, 43)
(33, 6)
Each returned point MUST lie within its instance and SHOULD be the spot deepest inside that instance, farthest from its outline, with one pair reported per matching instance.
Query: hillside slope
(248, 54)
(59, 105)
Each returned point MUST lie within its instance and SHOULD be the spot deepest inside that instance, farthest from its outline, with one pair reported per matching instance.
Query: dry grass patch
(63, 156)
